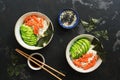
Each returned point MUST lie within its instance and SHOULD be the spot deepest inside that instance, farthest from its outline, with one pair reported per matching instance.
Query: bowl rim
(17, 30)
(99, 61)
(70, 27)
(33, 68)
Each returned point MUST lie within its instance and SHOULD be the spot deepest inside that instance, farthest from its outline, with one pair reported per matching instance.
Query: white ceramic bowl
(98, 63)
(32, 67)
(20, 22)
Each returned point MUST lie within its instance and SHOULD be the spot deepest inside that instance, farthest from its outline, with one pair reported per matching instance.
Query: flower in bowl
(34, 30)
(82, 55)
(68, 18)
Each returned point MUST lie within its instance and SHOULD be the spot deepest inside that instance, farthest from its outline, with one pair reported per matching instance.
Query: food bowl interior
(68, 56)
(68, 18)
(18, 33)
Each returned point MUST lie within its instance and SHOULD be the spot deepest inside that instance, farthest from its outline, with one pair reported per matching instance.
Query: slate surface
(13, 66)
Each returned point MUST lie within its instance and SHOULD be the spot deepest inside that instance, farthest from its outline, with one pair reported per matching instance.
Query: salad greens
(91, 25)
(99, 48)
(102, 33)
(94, 21)
(15, 68)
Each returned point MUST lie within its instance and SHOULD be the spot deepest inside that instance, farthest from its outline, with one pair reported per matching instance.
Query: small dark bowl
(74, 23)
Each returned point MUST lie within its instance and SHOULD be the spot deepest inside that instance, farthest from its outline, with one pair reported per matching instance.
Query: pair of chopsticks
(38, 62)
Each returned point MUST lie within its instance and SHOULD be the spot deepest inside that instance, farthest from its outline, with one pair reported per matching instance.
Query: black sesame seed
(67, 17)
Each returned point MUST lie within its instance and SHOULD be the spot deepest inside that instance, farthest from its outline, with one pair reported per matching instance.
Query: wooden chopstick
(42, 63)
(32, 59)
(22, 53)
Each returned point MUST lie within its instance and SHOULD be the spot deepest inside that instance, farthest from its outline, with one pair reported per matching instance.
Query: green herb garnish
(91, 25)
(94, 21)
(14, 69)
(84, 23)
(44, 40)
(102, 33)
(99, 48)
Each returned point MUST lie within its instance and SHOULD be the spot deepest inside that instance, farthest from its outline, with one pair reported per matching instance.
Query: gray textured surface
(107, 10)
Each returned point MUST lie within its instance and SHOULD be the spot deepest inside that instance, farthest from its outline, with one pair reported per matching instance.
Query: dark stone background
(54, 53)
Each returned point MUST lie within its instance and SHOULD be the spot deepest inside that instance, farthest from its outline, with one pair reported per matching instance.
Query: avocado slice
(87, 43)
(79, 47)
(83, 44)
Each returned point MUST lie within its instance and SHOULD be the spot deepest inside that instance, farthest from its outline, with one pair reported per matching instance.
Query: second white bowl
(69, 60)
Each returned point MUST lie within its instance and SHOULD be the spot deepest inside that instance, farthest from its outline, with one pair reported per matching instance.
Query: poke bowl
(34, 30)
(82, 53)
